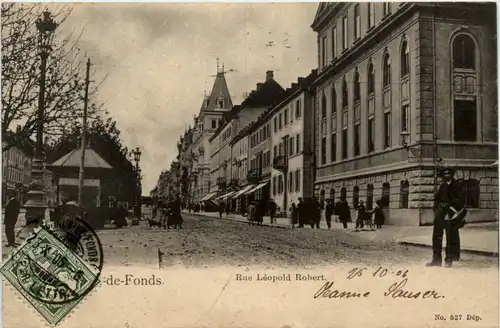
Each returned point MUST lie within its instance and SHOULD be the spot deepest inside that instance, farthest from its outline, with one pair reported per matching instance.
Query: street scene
(269, 159)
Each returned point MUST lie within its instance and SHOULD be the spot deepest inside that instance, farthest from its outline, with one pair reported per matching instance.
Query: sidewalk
(478, 238)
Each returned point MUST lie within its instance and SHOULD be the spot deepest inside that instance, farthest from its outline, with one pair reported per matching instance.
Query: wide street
(208, 242)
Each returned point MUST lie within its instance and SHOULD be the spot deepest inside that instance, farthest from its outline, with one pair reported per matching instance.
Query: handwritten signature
(396, 290)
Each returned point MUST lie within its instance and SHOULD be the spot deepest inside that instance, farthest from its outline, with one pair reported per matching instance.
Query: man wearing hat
(449, 212)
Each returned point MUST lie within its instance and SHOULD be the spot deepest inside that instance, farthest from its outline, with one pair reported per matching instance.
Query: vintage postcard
(249, 164)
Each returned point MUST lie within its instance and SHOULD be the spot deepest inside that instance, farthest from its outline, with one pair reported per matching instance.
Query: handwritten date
(379, 273)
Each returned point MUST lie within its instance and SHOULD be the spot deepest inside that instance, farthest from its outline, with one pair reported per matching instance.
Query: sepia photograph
(249, 164)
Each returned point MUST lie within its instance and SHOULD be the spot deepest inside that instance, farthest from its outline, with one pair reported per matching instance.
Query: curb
(239, 220)
(470, 251)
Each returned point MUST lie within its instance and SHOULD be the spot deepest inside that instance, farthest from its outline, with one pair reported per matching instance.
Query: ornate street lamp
(137, 157)
(36, 204)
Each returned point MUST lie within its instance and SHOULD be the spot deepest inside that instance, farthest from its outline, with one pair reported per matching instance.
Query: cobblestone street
(210, 242)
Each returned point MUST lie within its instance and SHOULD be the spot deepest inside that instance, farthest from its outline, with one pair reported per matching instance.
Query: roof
(299, 86)
(73, 158)
(265, 94)
(218, 89)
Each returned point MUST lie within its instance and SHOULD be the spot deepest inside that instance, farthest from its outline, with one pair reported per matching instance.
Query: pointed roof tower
(219, 98)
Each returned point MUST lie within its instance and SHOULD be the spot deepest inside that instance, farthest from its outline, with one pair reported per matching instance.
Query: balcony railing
(254, 175)
(279, 163)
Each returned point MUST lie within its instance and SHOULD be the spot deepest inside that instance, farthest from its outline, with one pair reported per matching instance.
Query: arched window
(464, 52)
(465, 88)
(332, 194)
(369, 196)
(355, 197)
(386, 194)
(387, 70)
(356, 86)
(371, 78)
(345, 100)
(472, 192)
(405, 59)
(343, 193)
(404, 194)
(334, 100)
(323, 106)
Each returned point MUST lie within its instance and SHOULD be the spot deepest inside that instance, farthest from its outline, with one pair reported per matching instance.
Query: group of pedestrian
(167, 214)
(308, 212)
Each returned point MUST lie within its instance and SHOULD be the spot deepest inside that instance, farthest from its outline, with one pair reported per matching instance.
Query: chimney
(259, 85)
(269, 75)
(300, 80)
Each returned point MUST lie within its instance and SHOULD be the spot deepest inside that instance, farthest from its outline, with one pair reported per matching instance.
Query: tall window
(286, 116)
(333, 127)
(464, 89)
(333, 147)
(344, 33)
(357, 22)
(387, 126)
(405, 118)
(405, 59)
(371, 15)
(344, 119)
(405, 87)
(274, 186)
(323, 128)
(323, 51)
(297, 143)
(298, 109)
(404, 194)
(275, 123)
(355, 197)
(297, 180)
(371, 107)
(369, 196)
(323, 149)
(290, 182)
(387, 129)
(291, 113)
(386, 194)
(386, 8)
(334, 42)
(357, 114)
(323, 106)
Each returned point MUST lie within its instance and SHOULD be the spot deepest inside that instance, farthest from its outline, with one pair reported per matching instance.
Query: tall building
(209, 119)
(404, 89)
(257, 102)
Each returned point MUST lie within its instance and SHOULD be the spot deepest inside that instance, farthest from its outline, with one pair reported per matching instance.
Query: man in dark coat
(12, 210)
(316, 213)
(343, 210)
(449, 205)
(302, 211)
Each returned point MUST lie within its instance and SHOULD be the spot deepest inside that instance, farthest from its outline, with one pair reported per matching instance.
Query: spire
(217, 65)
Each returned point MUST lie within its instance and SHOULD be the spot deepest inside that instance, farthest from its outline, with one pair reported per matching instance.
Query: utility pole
(84, 131)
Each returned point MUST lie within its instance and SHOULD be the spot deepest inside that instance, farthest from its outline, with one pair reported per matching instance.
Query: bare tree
(21, 74)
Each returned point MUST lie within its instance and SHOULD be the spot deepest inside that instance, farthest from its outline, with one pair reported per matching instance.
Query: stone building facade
(404, 89)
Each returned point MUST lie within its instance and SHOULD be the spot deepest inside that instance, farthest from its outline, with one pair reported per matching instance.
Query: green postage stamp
(51, 276)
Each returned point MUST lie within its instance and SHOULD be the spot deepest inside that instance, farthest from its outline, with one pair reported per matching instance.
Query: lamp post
(137, 157)
(36, 205)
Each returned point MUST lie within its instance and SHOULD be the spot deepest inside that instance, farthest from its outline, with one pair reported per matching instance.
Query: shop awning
(209, 196)
(242, 191)
(225, 196)
(495, 164)
(260, 185)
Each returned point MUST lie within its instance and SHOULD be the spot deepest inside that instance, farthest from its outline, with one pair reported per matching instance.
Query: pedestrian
(221, 209)
(360, 220)
(120, 216)
(316, 212)
(378, 214)
(294, 215)
(12, 210)
(343, 211)
(449, 213)
(302, 212)
(329, 210)
(272, 210)
(228, 209)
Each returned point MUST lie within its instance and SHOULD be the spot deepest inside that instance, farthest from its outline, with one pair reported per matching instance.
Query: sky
(161, 58)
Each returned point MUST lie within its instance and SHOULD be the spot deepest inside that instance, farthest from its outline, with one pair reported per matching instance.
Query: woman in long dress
(294, 215)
